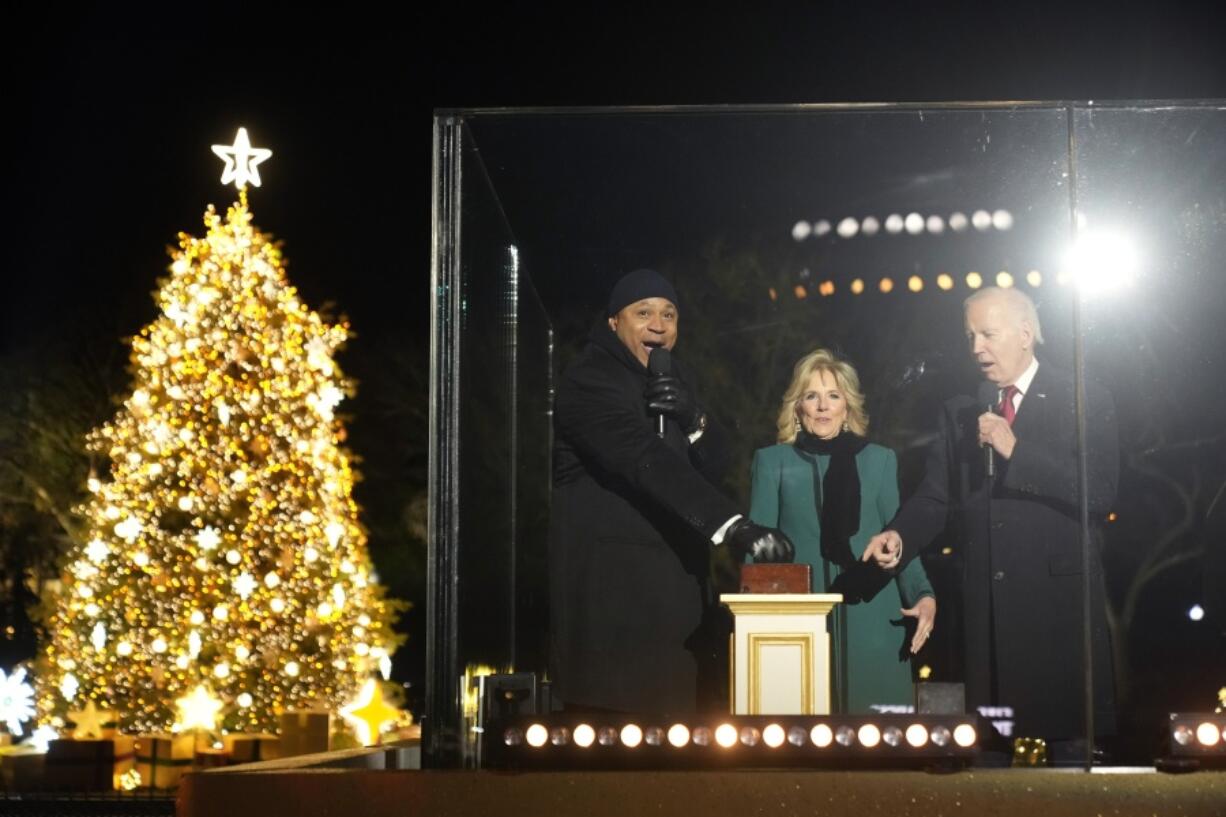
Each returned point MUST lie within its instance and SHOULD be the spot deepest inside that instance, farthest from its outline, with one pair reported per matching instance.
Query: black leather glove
(763, 544)
(667, 395)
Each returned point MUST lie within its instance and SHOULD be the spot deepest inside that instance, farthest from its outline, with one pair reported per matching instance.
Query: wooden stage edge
(972, 792)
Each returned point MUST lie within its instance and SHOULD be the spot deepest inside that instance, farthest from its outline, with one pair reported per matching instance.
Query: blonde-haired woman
(830, 490)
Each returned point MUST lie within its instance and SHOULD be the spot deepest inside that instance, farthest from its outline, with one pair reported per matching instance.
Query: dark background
(111, 114)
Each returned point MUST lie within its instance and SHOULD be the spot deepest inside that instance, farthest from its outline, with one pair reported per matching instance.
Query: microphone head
(659, 361)
(989, 395)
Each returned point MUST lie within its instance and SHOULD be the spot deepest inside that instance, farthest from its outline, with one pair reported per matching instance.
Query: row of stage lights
(739, 740)
(1199, 738)
(915, 283)
(912, 223)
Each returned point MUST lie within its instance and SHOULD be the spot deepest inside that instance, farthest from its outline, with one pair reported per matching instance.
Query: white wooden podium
(781, 653)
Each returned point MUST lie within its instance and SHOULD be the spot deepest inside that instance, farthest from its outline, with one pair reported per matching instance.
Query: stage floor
(974, 792)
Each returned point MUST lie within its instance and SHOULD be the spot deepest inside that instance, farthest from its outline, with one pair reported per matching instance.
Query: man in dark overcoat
(635, 514)
(1020, 531)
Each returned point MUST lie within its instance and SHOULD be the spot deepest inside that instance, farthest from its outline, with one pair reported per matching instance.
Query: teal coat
(867, 667)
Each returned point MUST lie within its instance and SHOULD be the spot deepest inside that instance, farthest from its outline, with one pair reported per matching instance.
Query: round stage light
(801, 230)
(821, 228)
(1182, 734)
(848, 227)
(893, 223)
(935, 225)
(974, 280)
(773, 735)
(914, 223)
(559, 736)
(958, 222)
(869, 735)
(917, 735)
(537, 735)
(512, 737)
(702, 736)
(1207, 734)
(797, 736)
(750, 736)
(870, 225)
(584, 735)
(654, 736)
(1004, 280)
(726, 735)
(982, 220)
(945, 281)
(631, 735)
(892, 736)
(845, 735)
(678, 735)
(1034, 278)
(821, 735)
(915, 283)
(1002, 220)
(887, 285)
(857, 286)
(940, 735)
(964, 735)
(607, 736)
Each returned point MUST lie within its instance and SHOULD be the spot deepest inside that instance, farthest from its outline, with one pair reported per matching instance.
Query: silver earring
(796, 422)
(845, 426)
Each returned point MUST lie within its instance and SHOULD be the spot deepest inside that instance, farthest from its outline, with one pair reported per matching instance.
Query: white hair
(1015, 301)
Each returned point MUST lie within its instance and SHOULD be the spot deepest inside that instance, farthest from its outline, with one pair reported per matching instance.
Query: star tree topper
(241, 160)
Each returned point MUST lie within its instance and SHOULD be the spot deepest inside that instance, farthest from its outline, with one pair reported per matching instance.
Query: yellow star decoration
(198, 710)
(370, 712)
(89, 721)
(241, 160)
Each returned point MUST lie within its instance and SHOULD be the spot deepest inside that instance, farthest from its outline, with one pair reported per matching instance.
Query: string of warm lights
(915, 283)
(897, 224)
(225, 567)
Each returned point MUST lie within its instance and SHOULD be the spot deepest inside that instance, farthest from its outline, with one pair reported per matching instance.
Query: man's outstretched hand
(885, 549)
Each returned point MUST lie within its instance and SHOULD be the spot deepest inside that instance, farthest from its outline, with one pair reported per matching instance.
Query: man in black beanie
(635, 514)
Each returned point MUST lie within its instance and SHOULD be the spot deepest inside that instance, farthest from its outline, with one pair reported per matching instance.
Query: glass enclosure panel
(1152, 221)
(863, 230)
(485, 590)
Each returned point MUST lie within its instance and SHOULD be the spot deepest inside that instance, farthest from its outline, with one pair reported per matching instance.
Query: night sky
(111, 115)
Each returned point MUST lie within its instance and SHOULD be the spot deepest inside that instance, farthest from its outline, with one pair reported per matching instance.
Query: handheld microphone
(659, 361)
(989, 396)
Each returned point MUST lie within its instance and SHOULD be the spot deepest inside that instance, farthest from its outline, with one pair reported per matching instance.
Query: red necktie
(1007, 409)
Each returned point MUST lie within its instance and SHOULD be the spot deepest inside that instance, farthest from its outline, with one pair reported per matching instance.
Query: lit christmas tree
(225, 559)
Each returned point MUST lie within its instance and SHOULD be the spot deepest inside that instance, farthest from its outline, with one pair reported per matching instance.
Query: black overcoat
(1021, 555)
(632, 518)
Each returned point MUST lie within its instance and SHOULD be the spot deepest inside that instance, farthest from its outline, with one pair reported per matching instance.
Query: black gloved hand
(763, 544)
(861, 582)
(667, 395)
